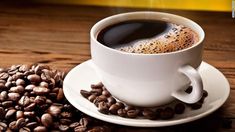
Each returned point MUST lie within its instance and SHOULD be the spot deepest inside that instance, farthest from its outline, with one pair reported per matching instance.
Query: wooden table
(59, 36)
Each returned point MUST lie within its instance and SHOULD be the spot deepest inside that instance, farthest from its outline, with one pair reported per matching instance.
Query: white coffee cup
(149, 80)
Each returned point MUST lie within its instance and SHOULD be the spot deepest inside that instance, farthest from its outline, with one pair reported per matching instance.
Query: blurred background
(212, 5)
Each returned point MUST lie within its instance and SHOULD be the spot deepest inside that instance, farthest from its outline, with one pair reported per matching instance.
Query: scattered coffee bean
(24, 129)
(41, 90)
(103, 108)
(122, 112)
(196, 106)
(179, 108)
(114, 108)
(54, 110)
(132, 113)
(20, 122)
(46, 120)
(40, 129)
(97, 86)
(85, 93)
(92, 97)
(10, 113)
(149, 114)
(80, 129)
(167, 113)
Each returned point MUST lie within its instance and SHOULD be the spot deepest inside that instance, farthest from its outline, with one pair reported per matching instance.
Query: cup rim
(97, 25)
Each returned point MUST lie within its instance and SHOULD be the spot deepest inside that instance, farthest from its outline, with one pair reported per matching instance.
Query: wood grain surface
(59, 36)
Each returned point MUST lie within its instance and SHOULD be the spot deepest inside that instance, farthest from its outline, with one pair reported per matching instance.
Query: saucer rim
(157, 123)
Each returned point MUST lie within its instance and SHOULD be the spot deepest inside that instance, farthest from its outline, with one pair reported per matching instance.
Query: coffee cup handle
(197, 86)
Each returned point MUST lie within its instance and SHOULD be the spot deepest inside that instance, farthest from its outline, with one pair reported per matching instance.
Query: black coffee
(147, 36)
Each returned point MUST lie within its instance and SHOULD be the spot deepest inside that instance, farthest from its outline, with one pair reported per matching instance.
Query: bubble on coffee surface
(177, 38)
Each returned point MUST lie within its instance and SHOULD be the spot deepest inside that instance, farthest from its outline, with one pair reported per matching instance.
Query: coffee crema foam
(177, 38)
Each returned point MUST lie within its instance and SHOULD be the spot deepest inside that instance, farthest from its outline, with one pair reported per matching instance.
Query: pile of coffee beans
(32, 99)
(107, 104)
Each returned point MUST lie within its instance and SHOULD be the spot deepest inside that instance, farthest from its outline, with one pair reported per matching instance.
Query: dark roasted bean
(65, 121)
(20, 82)
(3, 126)
(60, 95)
(7, 104)
(2, 113)
(92, 97)
(80, 129)
(54, 110)
(97, 86)
(20, 122)
(96, 92)
(149, 114)
(32, 125)
(85, 93)
(196, 106)
(120, 104)
(3, 76)
(29, 113)
(24, 129)
(10, 113)
(167, 113)
(13, 96)
(3, 95)
(40, 129)
(13, 126)
(34, 78)
(111, 100)
(40, 100)
(19, 114)
(17, 89)
(46, 120)
(179, 108)
(129, 107)
(132, 113)
(30, 87)
(63, 128)
(75, 124)
(30, 107)
(114, 108)
(103, 108)
(24, 101)
(41, 90)
(106, 93)
(84, 121)
(122, 112)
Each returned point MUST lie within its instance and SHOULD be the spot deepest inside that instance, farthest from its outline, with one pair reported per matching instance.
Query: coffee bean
(17, 89)
(84, 121)
(120, 104)
(48, 101)
(96, 92)
(103, 108)
(196, 106)
(40, 100)
(30, 87)
(8, 84)
(46, 75)
(63, 128)
(38, 69)
(106, 93)
(54, 110)
(2, 113)
(100, 98)
(75, 124)
(24, 68)
(29, 114)
(149, 114)
(122, 112)
(7, 104)
(13, 96)
(20, 122)
(13, 126)
(20, 82)
(3, 76)
(32, 125)
(41, 90)
(132, 113)
(80, 129)
(24, 129)
(24, 101)
(3, 95)
(66, 114)
(34, 78)
(19, 114)
(129, 107)
(2, 87)
(44, 84)
(10, 113)
(85, 93)
(97, 86)
(114, 108)
(111, 100)
(47, 120)
(3, 126)
(167, 113)
(92, 97)
(40, 129)
(30, 107)
(65, 121)
(60, 95)
(179, 108)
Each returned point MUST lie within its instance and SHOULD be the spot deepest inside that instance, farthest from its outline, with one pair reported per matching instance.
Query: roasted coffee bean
(30, 107)
(167, 113)
(179, 108)
(29, 113)
(2, 87)
(2, 113)
(132, 113)
(96, 92)
(17, 89)
(3, 76)
(47, 120)
(66, 114)
(54, 110)
(40, 100)
(63, 128)
(114, 108)
(38, 69)
(10, 113)
(129, 107)
(19, 114)
(111, 100)
(75, 124)
(60, 95)
(80, 129)
(85, 93)
(40, 129)
(196, 106)
(34, 78)
(7, 104)
(120, 104)
(100, 98)
(149, 114)
(3, 126)
(41, 90)
(8, 84)
(106, 93)
(20, 122)
(103, 108)
(92, 97)
(30, 87)
(84, 121)
(44, 84)
(24, 129)
(3, 95)
(97, 86)
(13, 96)
(20, 82)
(32, 125)
(48, 101)
(122, 112)
(46, 75)
(65, 121)
(13, 126)
(24, 101)
(24, 68)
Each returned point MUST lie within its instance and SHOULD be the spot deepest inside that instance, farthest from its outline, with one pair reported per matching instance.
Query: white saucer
(83, 75)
